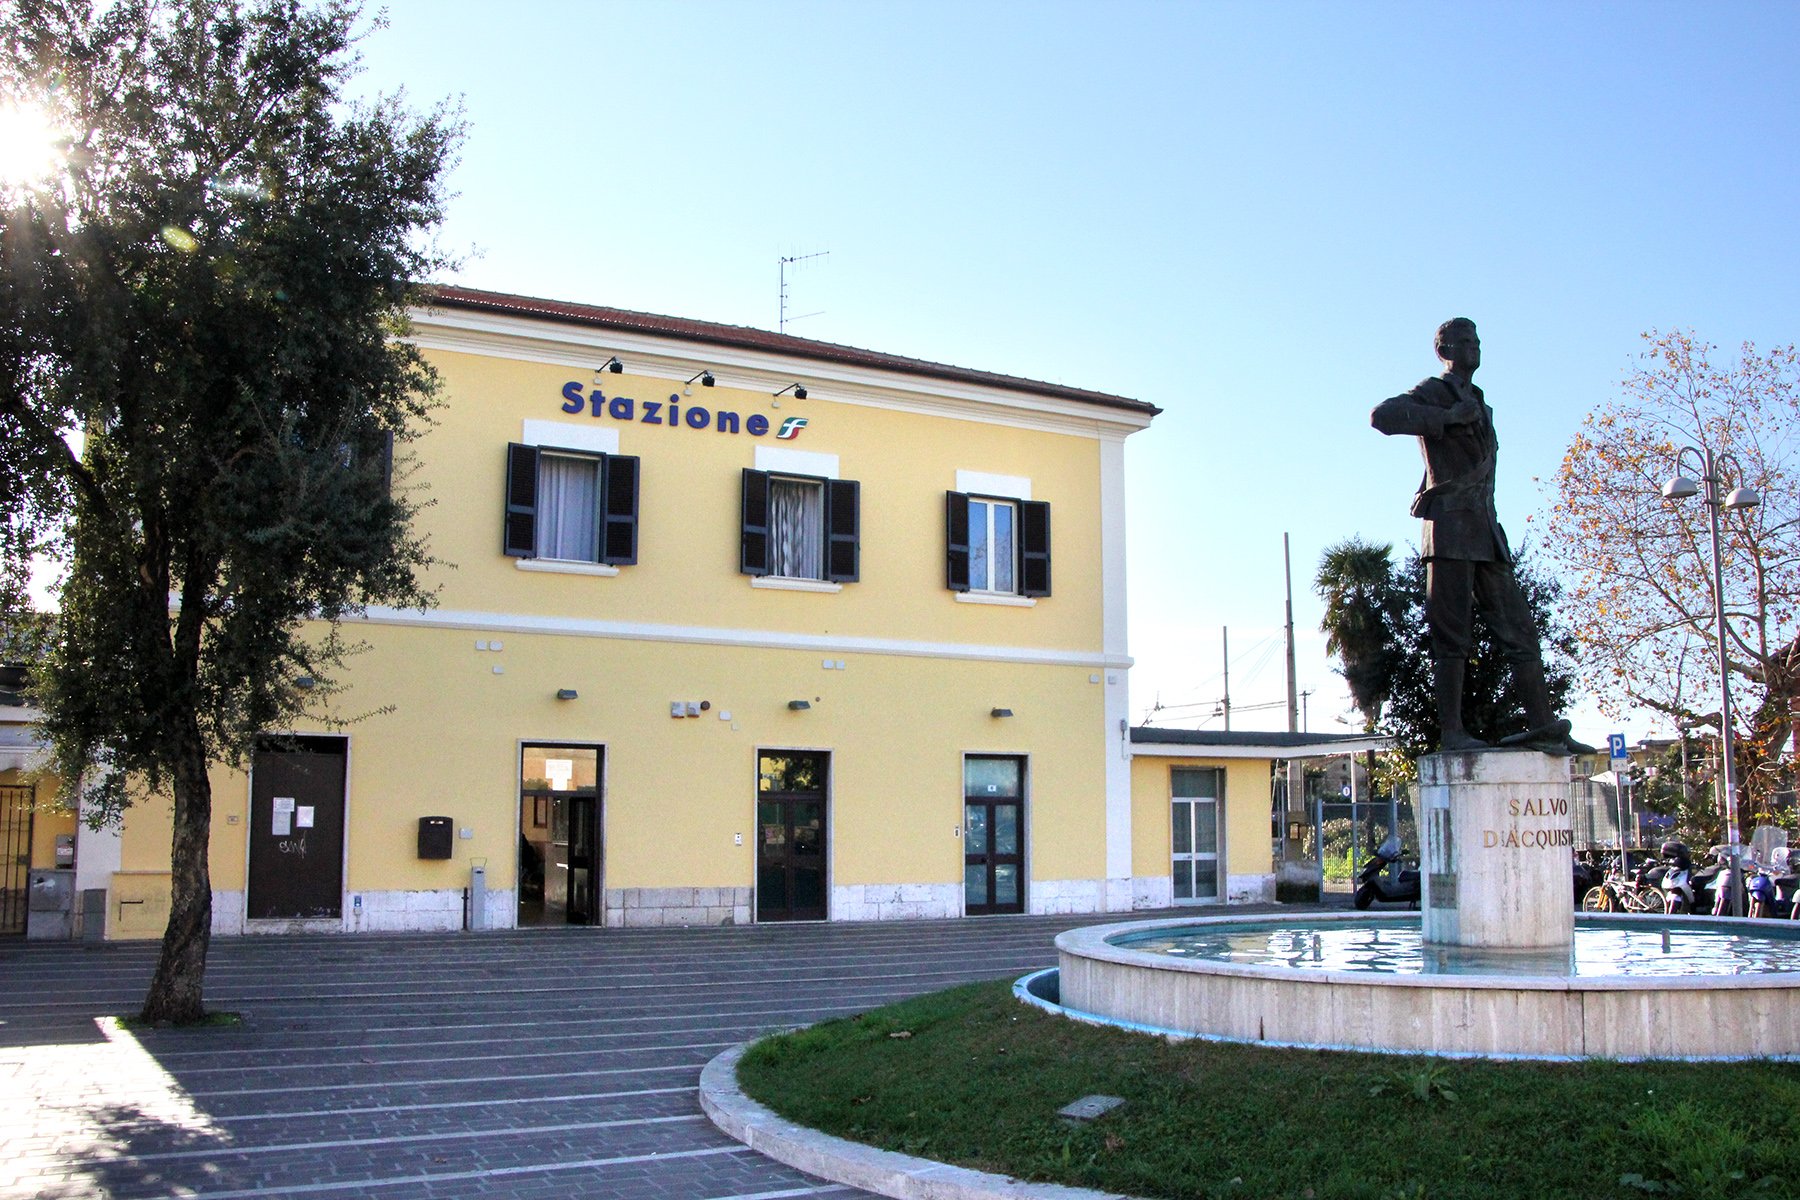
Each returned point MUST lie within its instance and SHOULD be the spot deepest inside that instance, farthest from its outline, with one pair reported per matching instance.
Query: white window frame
(989, 505)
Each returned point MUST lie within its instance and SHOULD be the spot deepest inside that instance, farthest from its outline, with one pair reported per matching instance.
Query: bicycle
(1619, 893)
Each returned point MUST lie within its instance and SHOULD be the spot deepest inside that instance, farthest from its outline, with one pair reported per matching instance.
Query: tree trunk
(175, 989)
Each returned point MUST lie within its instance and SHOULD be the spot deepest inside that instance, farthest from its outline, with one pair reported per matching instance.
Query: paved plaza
(509, 1065)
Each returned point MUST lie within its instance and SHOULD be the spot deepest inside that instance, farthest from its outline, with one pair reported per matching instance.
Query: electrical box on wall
(434, 837)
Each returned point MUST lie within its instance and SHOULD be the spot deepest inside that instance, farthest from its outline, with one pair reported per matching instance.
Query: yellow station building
(731, 626)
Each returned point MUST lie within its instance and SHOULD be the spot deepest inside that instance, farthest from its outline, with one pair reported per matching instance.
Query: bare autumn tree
(211, 286)
(1638, 569)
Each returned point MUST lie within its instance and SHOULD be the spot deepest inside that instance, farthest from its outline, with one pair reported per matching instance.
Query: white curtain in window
(796, 529)
(568, 508)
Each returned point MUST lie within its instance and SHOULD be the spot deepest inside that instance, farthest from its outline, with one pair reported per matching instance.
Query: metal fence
(1349, 830)
(1341, 832)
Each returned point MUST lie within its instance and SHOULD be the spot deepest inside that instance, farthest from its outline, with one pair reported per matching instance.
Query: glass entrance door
(790, 836)
(559, 835)
(1194, 826)
(993, 835)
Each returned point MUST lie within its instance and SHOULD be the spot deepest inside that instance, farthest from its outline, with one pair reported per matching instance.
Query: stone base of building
(1152, 891)
(227, 913)
(1057, 897)
(1250, 889)
(678, 906)
(438, 910)
(896, 901)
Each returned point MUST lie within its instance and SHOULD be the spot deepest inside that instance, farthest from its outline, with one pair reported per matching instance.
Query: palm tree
(1356, 581)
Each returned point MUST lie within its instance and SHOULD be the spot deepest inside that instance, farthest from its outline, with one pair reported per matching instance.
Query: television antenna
(782, 266)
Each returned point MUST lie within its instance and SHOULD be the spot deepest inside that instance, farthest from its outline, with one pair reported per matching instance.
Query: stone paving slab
(506, 1065)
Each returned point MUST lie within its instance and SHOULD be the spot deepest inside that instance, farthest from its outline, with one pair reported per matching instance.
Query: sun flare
(30, 144)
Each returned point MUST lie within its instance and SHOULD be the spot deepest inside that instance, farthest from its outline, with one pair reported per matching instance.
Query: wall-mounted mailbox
(434, 837)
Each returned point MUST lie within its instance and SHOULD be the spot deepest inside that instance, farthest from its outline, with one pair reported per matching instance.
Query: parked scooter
(1713, 885)
(1374, 883)
(1759, 891)
(1677, 882)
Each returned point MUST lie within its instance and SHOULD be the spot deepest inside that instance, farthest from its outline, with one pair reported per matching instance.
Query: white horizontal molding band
(698, 635)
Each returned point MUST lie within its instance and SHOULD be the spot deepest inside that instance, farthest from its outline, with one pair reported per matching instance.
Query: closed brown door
(297, 830)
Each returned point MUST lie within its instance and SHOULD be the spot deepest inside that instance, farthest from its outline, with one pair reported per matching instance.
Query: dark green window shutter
(520, 537)
(1034, 548)
(753, 557)
(619, 509)
(843, 518)
(956, 540)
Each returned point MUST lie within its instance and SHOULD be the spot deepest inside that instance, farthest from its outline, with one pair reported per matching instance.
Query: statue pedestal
(1496, 843)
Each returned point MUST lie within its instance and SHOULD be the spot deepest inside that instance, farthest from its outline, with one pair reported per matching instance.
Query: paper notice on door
(283, 823)
(303, 817)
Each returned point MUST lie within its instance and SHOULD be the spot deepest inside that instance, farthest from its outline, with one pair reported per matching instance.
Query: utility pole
(1287, 567)
(1225, 637)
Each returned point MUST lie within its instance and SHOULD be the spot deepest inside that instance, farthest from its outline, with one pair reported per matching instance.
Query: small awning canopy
(1150, 742)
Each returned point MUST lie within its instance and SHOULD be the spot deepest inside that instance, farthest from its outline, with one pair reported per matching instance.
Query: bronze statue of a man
(1467, 561)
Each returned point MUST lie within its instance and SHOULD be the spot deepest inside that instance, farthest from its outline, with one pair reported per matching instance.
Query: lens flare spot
(180, 239)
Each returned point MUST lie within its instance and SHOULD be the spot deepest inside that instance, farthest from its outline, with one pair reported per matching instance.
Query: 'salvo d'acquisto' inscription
(1546, 838)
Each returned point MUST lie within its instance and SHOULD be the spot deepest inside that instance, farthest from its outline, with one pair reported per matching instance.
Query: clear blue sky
(1252, 215)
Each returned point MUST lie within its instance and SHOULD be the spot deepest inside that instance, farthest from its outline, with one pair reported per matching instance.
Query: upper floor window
(571, 505)
(800, 527)
(997, 546)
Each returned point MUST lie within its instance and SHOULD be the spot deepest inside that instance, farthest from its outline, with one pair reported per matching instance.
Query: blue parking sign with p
(1615, 745)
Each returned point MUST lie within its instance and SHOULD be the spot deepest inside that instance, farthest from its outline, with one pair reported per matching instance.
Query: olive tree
(202, 377)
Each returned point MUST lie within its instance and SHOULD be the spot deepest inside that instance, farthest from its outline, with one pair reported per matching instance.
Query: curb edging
(885, 1172)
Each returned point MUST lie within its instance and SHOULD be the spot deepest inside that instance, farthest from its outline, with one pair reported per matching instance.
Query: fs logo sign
(790, 429)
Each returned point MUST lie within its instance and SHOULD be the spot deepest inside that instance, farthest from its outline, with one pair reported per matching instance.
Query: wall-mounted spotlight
(567, 694)
(1000, 712)
(797, 705)
(612, 364)
(705, 378)
(798, 390)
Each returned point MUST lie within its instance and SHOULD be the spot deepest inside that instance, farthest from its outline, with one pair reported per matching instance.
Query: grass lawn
(972, 1076)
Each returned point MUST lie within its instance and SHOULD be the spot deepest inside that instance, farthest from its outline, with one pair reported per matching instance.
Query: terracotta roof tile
(744, 337)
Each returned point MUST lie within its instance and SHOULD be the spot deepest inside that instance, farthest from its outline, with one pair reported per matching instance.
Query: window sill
(560, 566)
(777, 583)
(1001, 598)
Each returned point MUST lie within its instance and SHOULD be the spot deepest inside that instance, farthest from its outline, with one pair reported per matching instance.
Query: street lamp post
(1679, 487)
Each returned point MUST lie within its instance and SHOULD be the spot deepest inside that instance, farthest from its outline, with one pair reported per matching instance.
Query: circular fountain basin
(1721, 989)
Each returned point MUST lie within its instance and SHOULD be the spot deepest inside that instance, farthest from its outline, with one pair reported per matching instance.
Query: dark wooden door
(790, 837)
(297, 830)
